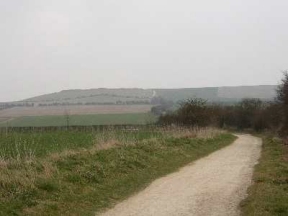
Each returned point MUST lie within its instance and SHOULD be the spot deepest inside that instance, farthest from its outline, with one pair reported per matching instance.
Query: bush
(193, 112)
(247, 114)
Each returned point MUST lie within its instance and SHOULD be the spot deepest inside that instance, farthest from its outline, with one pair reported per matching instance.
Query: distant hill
(97, 96)
(138, 96)
(262, 92)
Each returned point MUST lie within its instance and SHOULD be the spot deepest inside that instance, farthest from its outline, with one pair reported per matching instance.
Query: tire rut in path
(213, 185)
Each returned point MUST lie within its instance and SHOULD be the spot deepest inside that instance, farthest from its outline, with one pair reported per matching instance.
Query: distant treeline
(95, 103)
(94, 128)
(164, 104)
(11, 105)
(247, 114)
(95, 95)
(27, 104)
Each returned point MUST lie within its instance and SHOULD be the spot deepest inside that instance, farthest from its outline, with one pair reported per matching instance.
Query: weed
(48, 185)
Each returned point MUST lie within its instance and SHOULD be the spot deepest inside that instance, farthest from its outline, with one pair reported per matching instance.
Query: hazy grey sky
(50, 45)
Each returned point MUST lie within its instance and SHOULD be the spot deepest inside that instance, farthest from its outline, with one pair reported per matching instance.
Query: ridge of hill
(137, 95)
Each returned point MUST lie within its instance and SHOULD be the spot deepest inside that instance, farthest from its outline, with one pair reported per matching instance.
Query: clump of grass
(115, 138)
(48, 185)
(193, 132)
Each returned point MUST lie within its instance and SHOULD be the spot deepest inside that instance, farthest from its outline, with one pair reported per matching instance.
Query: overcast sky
(51, 45)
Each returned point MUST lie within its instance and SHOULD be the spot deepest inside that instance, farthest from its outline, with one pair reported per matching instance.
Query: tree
(194, 112)
(249, 114)
(282, 98)
(282, 91)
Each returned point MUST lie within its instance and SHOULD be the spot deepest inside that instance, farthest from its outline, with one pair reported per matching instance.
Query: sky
(52, 45)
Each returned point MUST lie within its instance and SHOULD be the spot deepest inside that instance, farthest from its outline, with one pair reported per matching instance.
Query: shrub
(247, 114)
(193, 112)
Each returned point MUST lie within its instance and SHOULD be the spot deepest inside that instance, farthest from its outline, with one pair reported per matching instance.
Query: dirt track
(213, 185)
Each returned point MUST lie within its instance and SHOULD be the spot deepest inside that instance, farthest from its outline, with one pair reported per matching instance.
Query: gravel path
(213, 185)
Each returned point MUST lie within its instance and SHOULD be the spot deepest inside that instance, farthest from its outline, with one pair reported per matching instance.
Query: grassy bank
(269, 193)
(86, 120)
(84, 179)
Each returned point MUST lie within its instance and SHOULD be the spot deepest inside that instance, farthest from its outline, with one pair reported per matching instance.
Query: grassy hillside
(262, 92)
(95, 95)
(183, 94)
(215, 94)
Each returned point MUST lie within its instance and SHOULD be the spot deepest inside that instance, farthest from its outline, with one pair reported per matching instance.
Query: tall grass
(29, 145)
(18, 145)
(192, 132)
(268, 195)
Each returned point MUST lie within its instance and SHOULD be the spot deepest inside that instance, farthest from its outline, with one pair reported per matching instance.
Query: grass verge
(269, 194)
(87, 180)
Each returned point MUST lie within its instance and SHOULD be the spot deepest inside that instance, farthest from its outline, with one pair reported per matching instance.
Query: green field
(82, 120)
(18, 145)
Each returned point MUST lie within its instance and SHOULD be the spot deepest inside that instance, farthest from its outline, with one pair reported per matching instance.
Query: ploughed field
(73, 110)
